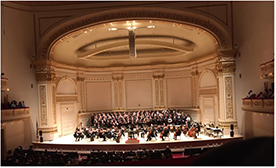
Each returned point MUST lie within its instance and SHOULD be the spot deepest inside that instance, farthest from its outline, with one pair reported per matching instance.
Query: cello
(192, 132)
(177, 133)
(185, 130)
(149, 134)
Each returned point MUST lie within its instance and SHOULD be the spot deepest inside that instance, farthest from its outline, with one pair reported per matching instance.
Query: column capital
(226, 61)
(42, 76)
(43, 65)
(117, 76)
(222, 67)
(227, 55)
(80, 79)
(158, 74)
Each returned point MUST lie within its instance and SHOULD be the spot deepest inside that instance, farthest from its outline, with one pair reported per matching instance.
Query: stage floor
(68, 143)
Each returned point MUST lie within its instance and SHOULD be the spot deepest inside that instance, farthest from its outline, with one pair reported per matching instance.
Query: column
(225, 68)
(46, 78)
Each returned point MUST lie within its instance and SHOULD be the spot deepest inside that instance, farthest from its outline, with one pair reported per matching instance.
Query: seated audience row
(30, 157)
(268, 94)
(13, 105)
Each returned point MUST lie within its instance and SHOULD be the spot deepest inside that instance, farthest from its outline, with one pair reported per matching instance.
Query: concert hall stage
(68, 143)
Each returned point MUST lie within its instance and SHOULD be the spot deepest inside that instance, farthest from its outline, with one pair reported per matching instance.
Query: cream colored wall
(98, 96)
(179, 92)
(17, 50)
(139, 94)
(66, 87)
(254, 36)
(14, 135)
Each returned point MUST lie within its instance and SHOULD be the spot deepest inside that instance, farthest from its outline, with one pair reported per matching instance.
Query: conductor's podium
(132, 140)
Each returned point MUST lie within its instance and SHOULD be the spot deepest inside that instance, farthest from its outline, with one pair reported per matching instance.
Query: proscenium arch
(183, 17)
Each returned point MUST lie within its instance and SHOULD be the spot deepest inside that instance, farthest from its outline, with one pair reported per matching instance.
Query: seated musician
(159, 129)
(165, 132)
(108, 133)
(177, 133)
(102, 134)
(122, 131)
(78, 134)
(151, 134)
(85, 132)
(89, 132)
(92, 133)
(144, 131)
(137, 131)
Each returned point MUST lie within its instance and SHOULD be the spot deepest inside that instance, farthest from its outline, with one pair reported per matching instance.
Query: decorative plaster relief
(120, 94)
(226, 67)
(229, 100)
(98, 79)
(177, 75)
(66, 98)
(207, 91)
(45, 77)
(161, 93)
(156, 92)
(43, 104)
(14, 114)
(116, 93)
(139, 77)
(258, 105)
(81, 79)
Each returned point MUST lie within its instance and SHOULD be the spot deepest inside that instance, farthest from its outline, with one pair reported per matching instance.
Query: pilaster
(225, 69)
(195, 88)
(81, 96)
(158, 78)
(45, 76)
(118, 91)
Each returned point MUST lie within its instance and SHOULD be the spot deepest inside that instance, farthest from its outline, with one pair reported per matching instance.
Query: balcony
(258, 105)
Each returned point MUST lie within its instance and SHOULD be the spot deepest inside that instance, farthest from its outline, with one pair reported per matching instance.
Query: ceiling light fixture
(131, 37)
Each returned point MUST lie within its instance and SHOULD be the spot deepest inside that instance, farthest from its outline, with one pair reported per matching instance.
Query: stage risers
(173, 144)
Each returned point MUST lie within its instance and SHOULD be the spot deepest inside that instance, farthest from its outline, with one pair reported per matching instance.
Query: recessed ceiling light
(85, 32)
(151, 26)
(112, 29)
(90, 29)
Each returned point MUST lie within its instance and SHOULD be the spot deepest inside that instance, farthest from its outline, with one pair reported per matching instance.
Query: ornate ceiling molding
(161, 14)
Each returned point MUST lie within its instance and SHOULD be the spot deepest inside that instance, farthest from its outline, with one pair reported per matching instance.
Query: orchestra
(113, 125)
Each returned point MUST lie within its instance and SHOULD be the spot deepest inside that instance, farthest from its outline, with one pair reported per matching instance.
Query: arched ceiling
(167, 43)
